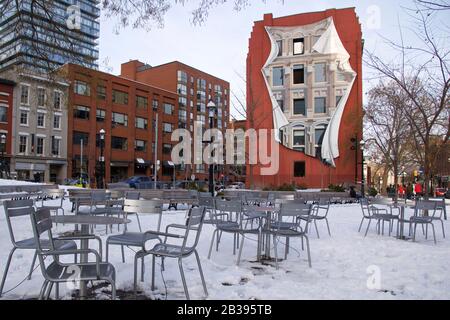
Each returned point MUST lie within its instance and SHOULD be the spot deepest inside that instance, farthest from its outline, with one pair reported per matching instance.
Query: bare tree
(422, 73)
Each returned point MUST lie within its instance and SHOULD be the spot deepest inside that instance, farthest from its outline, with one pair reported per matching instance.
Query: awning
(168, 164)
(119, 164)
(143, 163)
(140, 161)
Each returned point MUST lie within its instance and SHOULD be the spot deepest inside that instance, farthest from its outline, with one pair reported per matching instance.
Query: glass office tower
(44, 34)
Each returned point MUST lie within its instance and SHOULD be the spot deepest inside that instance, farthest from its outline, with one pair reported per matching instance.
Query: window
(320, 72)
(181, 89)
(120, 118)
(141, 102)
(319, 105)
(167, 148)
(278, 76)
(57, 100)
(299, 74)
(182, 115)
(24, 117)
(319, 132)
(201, 107)
(341, 76)
(41, 97)
(299, 139)
(119, 143)
(201, 95)
(56, 143)
(119, 97)
(56, 121)
(141, 123)
(101, 92)
(182, 76)
(140, 145)
(299, 169)
(40, 146)
(167, 127)
(41, 120)
(298, 46)
(3, 114)
(201, 118)
(82, 88)
(81, 112)
(338, 98)
(280, 47)
(155, 104)
(23, 144)
(299, 106)
(218, 89)
(281, 104)
(182, 102)
(100, 115)
(80, 136)
(24, 94)
(168, 108)
(201, 84)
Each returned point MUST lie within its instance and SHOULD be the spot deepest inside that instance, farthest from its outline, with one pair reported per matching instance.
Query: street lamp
(102, 158)
(3, 144)
(362, 144)
(212, 112)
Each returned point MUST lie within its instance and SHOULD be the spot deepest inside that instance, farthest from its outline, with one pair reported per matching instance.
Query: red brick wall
(317, 174)
(8, 100)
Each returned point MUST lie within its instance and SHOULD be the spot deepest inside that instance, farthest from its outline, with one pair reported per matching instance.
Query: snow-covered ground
(346, 265)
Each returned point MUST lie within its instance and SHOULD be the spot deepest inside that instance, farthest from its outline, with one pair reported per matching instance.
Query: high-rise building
(46, 34)
(304, 80)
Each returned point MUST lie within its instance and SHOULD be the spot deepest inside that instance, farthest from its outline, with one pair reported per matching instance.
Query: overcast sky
(219, 46)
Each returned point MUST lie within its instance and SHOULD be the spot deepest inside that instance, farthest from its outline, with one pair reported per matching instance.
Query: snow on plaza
(346, 265)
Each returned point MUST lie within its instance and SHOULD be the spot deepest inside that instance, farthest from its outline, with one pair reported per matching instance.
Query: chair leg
(153, 272)
(142, 269)
(328, 227)
(442, 224)
(434, 234)
(139, 222)
(201, 271)
(57, 291)
(32, 265)
(6, 270)
(286, 248)
(113, 290)
(212, 243)
(414, 232)
(360, 225)
(240, 251)
(275, 250)
(107, 251)
(308, 250)
(49, 290)
(183, 279)
(317, 230)
(43, 289)
(367, 229)
(123, 254)
(426, 232)
(136, 257)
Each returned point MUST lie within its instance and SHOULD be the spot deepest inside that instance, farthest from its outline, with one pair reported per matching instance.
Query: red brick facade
(317, 174)
(6, 103)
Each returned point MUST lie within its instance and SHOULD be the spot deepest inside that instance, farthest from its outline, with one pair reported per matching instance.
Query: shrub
(302, 186)
(286, 187)
(336, 188)
(373, 192)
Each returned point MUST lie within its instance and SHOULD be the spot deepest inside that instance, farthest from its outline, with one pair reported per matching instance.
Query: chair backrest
(290, 210)
(229, 206)
(132, 195)
(59, 193)
(425, 205)
(194, 222)
(365, 207)
(144, 207)
(207, 202)
(16, 208)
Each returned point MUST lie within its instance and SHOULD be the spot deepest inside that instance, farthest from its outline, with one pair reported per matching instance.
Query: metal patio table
(268, 211)
(85, 221)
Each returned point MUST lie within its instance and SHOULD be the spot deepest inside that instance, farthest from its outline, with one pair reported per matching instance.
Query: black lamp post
(3, 145)
(362, 143)
(102, 158)
(212, 112)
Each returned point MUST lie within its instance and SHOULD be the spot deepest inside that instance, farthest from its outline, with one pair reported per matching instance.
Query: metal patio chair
(321, 209)
(21, 208)
(424, 214)
(187, 246)
(236, 225)
(53, 194)
(371, 212)
(137, 239)
(287, 229)
(58, 272)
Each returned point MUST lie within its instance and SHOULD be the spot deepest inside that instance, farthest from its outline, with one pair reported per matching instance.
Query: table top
(95, 220)
(265, 209)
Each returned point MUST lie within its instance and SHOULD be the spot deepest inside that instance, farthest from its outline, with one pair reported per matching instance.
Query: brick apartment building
(126, 110)
(6, 111)
(195, 89)
(304, 79)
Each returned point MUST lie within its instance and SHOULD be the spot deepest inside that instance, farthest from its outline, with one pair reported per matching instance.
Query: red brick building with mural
(304, 80)
(6, 111)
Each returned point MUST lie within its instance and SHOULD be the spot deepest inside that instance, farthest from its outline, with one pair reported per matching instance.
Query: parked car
(447, 194)
(132, 181)
(440, 192)
(237, 185)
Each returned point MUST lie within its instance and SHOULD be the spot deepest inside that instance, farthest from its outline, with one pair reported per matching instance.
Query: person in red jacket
(418, 189)
(401, 191)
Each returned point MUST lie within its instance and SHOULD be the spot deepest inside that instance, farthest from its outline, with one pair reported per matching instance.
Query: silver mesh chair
(53, 194)
(424, 214)
(20, 208)
(181, 250)
(58, 272)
